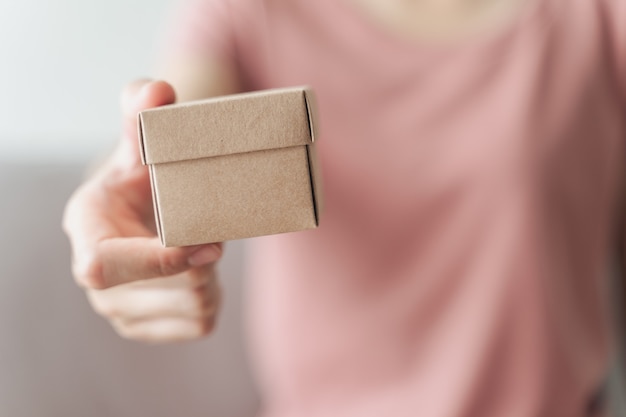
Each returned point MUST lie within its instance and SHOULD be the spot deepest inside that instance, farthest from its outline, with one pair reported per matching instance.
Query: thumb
(137, 96)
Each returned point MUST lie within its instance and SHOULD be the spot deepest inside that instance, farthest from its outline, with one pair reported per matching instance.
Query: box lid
(227, 125)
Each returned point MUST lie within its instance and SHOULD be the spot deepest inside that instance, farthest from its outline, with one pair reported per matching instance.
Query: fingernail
(205, 256)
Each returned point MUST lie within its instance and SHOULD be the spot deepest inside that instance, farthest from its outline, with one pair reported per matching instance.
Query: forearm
(195, 77)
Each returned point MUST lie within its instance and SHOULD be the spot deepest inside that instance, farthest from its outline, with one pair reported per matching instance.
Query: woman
(472, 158)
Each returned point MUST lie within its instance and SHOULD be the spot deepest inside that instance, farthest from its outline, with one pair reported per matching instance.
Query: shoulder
(613, 25)
(594, 28)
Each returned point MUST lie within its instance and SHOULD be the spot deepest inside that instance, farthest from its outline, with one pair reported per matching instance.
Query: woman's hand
(146, 291)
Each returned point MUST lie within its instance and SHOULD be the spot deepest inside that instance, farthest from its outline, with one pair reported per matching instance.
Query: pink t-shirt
(471, 189)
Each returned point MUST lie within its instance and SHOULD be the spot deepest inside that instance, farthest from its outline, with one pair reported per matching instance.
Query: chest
(404, 123)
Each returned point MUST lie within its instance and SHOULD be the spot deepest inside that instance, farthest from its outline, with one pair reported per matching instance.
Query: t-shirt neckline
(478, 38)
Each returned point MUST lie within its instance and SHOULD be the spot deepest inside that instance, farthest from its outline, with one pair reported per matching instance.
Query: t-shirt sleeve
(615, 14)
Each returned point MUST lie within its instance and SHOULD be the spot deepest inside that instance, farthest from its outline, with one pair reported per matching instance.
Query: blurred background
(62, 66)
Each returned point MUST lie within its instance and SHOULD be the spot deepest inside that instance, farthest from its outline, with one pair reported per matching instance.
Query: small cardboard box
(232, 167)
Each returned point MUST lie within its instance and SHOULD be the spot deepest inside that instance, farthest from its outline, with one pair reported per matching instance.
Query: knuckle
(207, 307)
(125, 333)
(128, 93)
(168, 264)
(202, 277)
(121, 329)
(220, 248)
(206, 300)
(89, 273)
(207, 326)
(73, 207)
(130, 332)
(198, 299)
(97, 305)
(66, 222)
(104, 309)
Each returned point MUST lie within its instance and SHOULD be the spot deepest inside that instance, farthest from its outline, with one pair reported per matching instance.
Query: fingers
(164, 330)
(105, 219)
(148, 292)
(193, 294)
(183, 307)
(116, 261)
(137, 96)
(140, 95)
(116, 201)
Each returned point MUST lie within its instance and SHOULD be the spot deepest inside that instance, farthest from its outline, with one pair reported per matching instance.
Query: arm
(195, 77)
(147, 292)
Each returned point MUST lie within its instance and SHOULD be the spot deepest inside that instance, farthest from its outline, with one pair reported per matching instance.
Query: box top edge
(196, 130)
(304, 89)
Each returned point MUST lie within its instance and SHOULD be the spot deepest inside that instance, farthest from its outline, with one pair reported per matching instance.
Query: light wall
(62, 65)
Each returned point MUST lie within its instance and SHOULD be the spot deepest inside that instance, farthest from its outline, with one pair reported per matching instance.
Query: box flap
(311, 107)
(227, 125)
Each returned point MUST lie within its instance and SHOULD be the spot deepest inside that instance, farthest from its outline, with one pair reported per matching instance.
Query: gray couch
(58, 359)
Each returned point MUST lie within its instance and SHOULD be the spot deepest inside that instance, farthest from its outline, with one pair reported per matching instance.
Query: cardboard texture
(232, 167)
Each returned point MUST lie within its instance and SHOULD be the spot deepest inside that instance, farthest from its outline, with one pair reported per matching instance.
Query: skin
(446, 20)
(147, 292)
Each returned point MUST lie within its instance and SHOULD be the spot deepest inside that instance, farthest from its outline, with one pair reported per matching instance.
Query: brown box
(232, 167)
